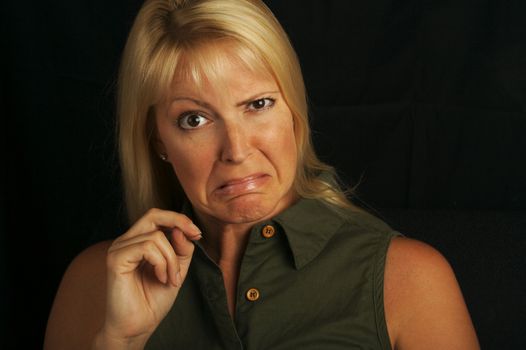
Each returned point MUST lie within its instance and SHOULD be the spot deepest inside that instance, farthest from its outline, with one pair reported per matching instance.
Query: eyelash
(269, 103)
(185, 115)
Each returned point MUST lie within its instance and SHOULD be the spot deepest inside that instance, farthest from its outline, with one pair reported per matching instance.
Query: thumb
(183, 247)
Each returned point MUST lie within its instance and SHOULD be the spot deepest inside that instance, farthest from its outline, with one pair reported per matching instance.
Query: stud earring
(163, 157)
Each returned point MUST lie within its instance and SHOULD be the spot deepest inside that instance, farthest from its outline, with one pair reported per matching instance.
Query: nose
(236, 144)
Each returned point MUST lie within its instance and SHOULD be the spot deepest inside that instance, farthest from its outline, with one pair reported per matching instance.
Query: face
(231, 145)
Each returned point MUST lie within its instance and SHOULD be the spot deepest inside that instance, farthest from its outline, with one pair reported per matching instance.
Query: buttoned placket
(212, 282)
(248, 294)
(267, 231)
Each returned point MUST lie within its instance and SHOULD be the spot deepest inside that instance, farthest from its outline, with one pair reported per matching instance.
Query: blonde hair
(176, 36)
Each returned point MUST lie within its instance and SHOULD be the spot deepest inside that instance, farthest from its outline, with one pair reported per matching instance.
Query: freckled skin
(237, 162)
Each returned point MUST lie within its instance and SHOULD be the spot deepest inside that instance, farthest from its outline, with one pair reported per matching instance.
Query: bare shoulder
(80, 301)
(424, 306)
(90, 262)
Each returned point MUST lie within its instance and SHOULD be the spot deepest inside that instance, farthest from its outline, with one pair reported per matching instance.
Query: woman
(254, 245)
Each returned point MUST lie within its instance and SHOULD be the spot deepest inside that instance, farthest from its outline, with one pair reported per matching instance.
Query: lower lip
(250, 185)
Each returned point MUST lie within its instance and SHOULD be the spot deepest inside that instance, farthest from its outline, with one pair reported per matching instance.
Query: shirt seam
(378, 289)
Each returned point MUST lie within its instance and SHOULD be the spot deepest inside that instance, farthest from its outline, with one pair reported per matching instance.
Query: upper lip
(239, 180)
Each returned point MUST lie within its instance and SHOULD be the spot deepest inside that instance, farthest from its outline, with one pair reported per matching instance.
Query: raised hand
(146, 267)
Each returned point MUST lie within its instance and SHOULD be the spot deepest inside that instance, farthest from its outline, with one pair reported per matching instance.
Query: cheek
(191, 159)
(192, 169)
(280, 145)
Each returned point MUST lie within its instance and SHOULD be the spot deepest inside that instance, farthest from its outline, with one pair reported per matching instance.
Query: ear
(159, 148)
(155, 139)
(158, 145)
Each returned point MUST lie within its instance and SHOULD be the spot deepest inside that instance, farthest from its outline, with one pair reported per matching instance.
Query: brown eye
(192, 121)
(261, 103)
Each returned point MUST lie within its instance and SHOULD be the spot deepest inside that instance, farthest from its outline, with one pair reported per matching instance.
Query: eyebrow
(208, 106)
(255, 97)
(197, 102)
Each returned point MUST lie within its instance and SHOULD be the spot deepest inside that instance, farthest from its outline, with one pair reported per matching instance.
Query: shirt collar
(308, 225)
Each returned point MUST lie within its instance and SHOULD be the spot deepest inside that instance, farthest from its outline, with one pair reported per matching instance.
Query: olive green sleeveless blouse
(310, 278)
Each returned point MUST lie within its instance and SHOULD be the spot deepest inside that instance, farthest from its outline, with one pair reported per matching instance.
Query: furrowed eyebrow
(208, 106)
(197, 102)
(255, 97)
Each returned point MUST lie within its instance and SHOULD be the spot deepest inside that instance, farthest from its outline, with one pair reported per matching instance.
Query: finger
(182, 246)
(157, 236)
(162, 244)
(184, 249)
(155, 219)
(159, 265)
(128, 259)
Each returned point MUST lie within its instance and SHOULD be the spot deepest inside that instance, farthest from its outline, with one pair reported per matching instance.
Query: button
(252, 294)
(268, 231)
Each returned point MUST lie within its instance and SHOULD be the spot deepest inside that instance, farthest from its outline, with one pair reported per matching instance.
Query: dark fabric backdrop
(422, 104)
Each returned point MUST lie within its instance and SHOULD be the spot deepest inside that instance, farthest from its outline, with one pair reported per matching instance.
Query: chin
(246, 210)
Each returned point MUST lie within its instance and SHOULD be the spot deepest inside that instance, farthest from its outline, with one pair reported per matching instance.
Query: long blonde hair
(173, 35)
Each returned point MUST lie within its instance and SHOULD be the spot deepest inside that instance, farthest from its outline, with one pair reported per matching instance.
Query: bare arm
(79, 307)
(424, 306)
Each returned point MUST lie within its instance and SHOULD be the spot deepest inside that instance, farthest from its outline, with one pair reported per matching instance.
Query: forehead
(218, 65)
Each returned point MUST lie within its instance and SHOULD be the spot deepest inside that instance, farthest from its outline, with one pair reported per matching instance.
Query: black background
(422, 104)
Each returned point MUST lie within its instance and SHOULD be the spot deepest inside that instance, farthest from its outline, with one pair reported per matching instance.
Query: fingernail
(196, 228)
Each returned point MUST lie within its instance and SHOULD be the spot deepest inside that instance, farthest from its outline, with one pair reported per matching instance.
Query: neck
(225, 244)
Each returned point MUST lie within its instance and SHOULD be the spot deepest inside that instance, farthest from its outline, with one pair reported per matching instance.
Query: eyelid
(183, 115)
(191, 112)
(272, 102)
